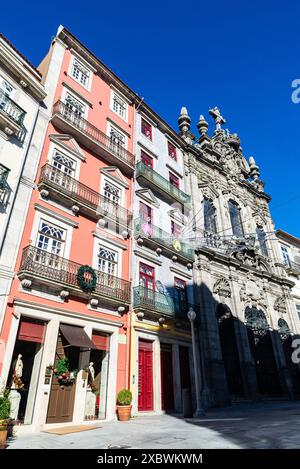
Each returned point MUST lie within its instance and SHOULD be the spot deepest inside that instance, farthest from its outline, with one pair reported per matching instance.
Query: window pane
(209, 213)
(235, 218)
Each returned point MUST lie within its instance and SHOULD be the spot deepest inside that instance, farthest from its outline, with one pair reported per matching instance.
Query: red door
(145, 402)
(166, 368)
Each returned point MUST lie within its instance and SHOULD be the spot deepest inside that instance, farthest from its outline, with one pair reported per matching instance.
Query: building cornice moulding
(57, 216)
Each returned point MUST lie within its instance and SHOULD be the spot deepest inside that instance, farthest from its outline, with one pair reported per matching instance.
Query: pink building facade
(67, 321)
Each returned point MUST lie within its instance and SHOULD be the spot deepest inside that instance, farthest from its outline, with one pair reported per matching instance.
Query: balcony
(158, 304)
(156, 238)
(160, 184)
(11, 115)
(74, 194)
(292, 268)
(4, 186)
(39, 267)
(91, 137)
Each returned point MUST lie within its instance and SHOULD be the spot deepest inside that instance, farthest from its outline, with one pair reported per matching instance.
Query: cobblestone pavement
(263, 425)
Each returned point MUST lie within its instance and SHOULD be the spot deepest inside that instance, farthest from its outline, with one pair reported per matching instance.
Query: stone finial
(184, 120)
(202, 125)
(254, 169)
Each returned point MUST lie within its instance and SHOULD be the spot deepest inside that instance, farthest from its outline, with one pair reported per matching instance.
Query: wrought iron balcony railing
(93, 133)
(66, 186)
(46, 267)
(160, 183)
(11, 109)
(4, 172)
(160, 303)
(292, 266)
(158, 236)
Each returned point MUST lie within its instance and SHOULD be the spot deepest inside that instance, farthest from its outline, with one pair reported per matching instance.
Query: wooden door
(61, 401)
(166, 368)
(145, 398)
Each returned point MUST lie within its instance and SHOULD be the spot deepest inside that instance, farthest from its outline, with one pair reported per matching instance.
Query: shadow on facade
(242, 361)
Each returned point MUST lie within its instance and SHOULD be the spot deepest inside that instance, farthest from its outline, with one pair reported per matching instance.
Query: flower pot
(3, 432)
(124, 412)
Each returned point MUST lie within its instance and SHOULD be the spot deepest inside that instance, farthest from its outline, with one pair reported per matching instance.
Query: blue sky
(241, 57)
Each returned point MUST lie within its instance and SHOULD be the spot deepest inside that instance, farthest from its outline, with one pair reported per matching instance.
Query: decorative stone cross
(216, 115)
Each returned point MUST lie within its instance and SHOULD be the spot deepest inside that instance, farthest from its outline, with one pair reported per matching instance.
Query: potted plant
(4, 417)
(124, 405)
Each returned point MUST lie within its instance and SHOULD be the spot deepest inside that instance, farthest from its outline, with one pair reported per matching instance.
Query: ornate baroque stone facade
(242, 288)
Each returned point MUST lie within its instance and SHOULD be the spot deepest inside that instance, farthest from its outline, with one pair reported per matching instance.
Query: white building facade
(162, 278)
(22, 126)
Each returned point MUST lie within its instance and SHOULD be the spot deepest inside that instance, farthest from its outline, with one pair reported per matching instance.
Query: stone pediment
(114, 173)
(69, 143)
(148, 196)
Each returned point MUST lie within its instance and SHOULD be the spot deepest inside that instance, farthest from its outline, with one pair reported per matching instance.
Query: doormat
(74, 429)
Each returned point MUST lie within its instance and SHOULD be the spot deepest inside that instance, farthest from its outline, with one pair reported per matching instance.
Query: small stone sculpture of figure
(92, 371)
(19, 367)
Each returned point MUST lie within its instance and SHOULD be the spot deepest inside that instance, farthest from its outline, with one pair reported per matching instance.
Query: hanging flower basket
(63, 374)
(87, 278)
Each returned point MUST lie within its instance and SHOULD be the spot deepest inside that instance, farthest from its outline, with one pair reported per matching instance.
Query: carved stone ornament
(252, 294)
(280, 305)
(222, 288)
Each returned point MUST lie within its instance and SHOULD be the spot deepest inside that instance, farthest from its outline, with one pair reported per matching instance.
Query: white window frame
(84, 64)
(4, 80)
(39, 217)
(288, 252)
(62, 241)
(117, 129)
(66, 92)
(112, 95)
(112, 181)
(112, 247)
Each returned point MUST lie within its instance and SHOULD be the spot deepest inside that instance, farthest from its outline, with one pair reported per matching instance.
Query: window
(4, 171)
(6, 87)
(174, 180)
(146, 159)
(64, 164)
(107, 260)
(298, 311)
(261, 238)
(209, 215)
(112, 192)
(80, 73)
(235, 219)
(50, 244)
(117, 137)
(172, 151)
(146, 129)
(180, 294)
(286, 256)
(145, 212)
(119, 106)
(147, 277)
(75, 106)
(176, 230)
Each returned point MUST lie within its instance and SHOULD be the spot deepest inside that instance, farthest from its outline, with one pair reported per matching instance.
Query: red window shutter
(175, 230)
(146, 129)
(145, 212)
(174, 180)
(101, 341)
(146, 159)
(32, 330)
(172, 151)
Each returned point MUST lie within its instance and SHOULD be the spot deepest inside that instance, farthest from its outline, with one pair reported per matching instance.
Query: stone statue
(19, 367)
(92, 371)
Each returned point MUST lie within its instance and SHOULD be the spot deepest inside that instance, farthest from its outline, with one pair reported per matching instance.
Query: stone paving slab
(262, 425)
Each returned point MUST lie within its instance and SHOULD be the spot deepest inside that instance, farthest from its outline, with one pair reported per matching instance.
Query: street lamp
(199, 410)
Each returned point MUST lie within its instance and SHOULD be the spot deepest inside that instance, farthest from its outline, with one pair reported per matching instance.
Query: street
(261, 425)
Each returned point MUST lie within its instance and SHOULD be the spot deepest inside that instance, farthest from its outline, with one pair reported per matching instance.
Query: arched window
(261, 238)
(235, 219)
(209, 214)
